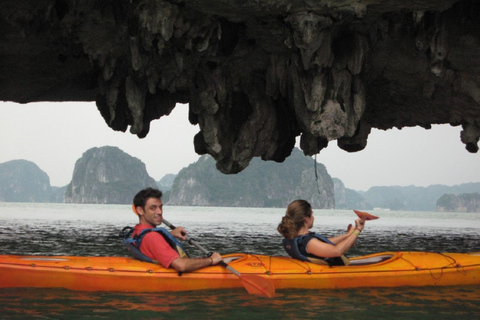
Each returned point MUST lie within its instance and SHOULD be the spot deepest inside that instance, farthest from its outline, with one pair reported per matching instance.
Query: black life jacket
(292, 248)
(133, 243)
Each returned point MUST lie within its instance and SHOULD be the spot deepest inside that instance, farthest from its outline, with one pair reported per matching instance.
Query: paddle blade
(365, 215)
(258, 286)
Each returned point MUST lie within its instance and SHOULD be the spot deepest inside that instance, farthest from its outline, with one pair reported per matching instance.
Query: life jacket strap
(133, 243)
(292, 248)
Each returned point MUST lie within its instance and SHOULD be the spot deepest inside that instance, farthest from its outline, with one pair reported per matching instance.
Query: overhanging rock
(256, 74)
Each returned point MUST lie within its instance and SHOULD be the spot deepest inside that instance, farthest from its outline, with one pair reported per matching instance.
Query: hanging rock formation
(256, 74)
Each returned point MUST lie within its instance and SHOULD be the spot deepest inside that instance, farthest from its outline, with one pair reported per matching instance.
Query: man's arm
(192, 264)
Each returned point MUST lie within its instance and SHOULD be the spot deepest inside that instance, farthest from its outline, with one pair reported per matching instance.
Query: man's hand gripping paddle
(253, 284)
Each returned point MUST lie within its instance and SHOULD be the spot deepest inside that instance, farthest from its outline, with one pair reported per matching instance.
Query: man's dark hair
(143, 195)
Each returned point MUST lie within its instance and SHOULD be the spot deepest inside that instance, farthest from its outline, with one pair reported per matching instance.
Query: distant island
(108, 175)
(412, 198)
(24, 181)
(261, 184)
(464, 202)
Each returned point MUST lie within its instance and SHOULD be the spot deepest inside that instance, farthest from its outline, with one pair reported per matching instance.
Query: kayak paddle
(253, 284)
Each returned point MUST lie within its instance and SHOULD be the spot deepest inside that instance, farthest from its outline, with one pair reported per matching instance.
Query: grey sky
(55, 135)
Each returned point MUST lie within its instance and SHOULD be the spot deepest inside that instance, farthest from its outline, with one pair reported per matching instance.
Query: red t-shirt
(155, 246)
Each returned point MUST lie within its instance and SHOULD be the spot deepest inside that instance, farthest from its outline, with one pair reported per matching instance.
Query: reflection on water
(55, 229)
(391, 303)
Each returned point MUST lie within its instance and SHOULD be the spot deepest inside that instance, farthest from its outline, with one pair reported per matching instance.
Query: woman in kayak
(301, 244)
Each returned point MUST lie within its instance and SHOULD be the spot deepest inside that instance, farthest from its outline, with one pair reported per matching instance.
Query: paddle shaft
(201, 248)
(252, 283)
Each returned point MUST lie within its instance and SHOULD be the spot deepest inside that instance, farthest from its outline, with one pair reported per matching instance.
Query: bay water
(93, 230)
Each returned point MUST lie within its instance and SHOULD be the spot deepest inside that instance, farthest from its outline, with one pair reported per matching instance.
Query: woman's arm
(341, 243)
(338, 239)
(326, 250)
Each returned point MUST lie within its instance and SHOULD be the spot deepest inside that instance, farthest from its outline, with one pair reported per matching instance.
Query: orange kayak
(387, 269)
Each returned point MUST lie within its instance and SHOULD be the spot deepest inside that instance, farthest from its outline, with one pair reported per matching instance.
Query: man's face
(152, 214)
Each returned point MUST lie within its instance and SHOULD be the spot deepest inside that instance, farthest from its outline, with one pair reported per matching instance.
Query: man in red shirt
(149, 208)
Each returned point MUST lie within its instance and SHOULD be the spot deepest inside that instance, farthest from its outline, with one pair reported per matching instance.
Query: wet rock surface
(255, 74)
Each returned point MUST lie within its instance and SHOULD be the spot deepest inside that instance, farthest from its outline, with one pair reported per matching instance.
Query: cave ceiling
(256, 74)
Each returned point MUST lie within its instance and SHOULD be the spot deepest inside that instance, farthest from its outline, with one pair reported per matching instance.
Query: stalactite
(357, 141)
(331, 123)
(205, 36)
(307, 34)
(359, 52)
(136, 57)
(323, 56)
(314, 91)
(158, 17)
(470, 136)
(439, 47)
(341, 86)
(111, 98)
(152, 79)
(109, 68)
(359, 102)
(211, 135)
(311, 144)
(136, 102)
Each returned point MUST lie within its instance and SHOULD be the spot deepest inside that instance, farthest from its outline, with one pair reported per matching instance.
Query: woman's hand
(359, 224)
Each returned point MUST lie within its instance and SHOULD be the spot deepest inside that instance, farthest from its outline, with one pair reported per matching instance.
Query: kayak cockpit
(232, 258)
(370, 260)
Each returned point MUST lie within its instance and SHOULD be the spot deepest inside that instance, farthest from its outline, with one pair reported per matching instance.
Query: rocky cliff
(347, 198)
(107, 175)
(256, 74)
(23, 181)
(465, 202)
(166, 182)
(262, 184)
